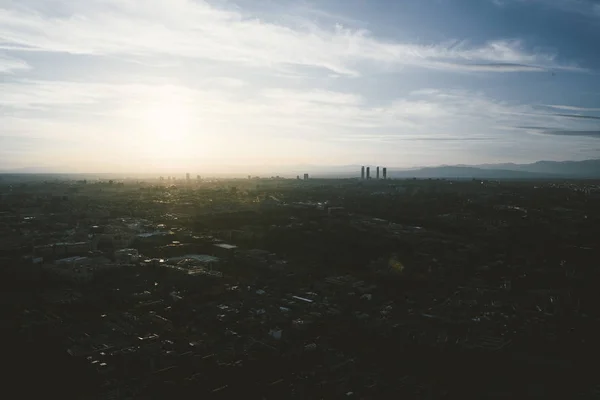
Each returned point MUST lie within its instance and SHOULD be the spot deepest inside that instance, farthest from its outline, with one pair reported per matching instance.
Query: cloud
(201, 31)
(274, 111)
(232, 107)
(53, 95)
(501, 67)
(594, 134)
(576, 116)
(318, 125)
(10, 65)
(336, 18)
(452, 139)
(589, 8)
(570, 108)
(314, 96)
(557, 132)
(230, 110)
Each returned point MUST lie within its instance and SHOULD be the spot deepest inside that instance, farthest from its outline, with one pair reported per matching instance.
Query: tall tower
(377, 173)
(362, 172)
(384, 173)
(368, 172)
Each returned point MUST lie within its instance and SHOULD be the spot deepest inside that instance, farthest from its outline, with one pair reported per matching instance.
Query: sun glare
(168, 125)
(165, 128)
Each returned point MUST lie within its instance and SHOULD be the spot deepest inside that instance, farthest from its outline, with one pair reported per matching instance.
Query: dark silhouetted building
(305, 177)
(362, 172)
(368, 172)
(377, 173)
(384, 173)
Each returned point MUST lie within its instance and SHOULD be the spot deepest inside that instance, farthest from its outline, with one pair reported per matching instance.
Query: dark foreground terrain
(273, 288)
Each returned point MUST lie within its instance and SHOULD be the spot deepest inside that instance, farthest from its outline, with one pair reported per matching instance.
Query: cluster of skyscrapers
(172, 179)
(366, 174)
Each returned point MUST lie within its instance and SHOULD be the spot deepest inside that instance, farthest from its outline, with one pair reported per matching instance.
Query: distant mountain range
(587, 169)
(463, 172)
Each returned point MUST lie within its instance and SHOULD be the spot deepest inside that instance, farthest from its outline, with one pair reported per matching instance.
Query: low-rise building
(78, 269)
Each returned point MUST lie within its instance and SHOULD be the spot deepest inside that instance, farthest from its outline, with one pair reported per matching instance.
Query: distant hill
(460, 172)
(571, 169)
(542, 169)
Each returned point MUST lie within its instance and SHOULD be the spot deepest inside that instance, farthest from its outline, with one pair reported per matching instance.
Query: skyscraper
(377, 173)
(384, 173)
(368, 172)
(362, 172)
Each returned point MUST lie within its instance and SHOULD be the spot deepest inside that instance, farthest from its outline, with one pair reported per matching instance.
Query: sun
(168, 123)
(166, 128)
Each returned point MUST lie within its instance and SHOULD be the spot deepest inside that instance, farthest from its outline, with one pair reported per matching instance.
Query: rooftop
(70, 259)
(203, 258)
(226, 246)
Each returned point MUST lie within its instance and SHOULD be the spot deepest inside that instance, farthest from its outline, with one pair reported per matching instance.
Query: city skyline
(179, 85)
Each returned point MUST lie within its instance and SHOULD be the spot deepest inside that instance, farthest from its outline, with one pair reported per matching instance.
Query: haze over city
(180, 85)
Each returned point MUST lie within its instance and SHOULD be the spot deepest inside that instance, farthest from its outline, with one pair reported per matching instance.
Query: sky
(192, 85)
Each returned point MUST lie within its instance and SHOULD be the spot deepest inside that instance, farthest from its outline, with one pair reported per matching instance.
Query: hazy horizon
(582, 169)
(175, 86)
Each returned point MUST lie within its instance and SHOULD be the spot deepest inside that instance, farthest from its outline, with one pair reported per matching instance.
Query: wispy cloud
(10, 64)
(50, 95)
(589, 8)
(313, 124)
(199, 30)
(229, 107)
(577, 116)
(595, 134)
(502, 67)
(571, 108)
(544, 130)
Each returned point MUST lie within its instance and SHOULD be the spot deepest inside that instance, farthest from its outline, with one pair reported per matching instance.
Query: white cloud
(231, 110)
(571, 108)
(589, 8)
(49, 95)
(10, 65)
(243, 124)
(199, 30)
(314, 96)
